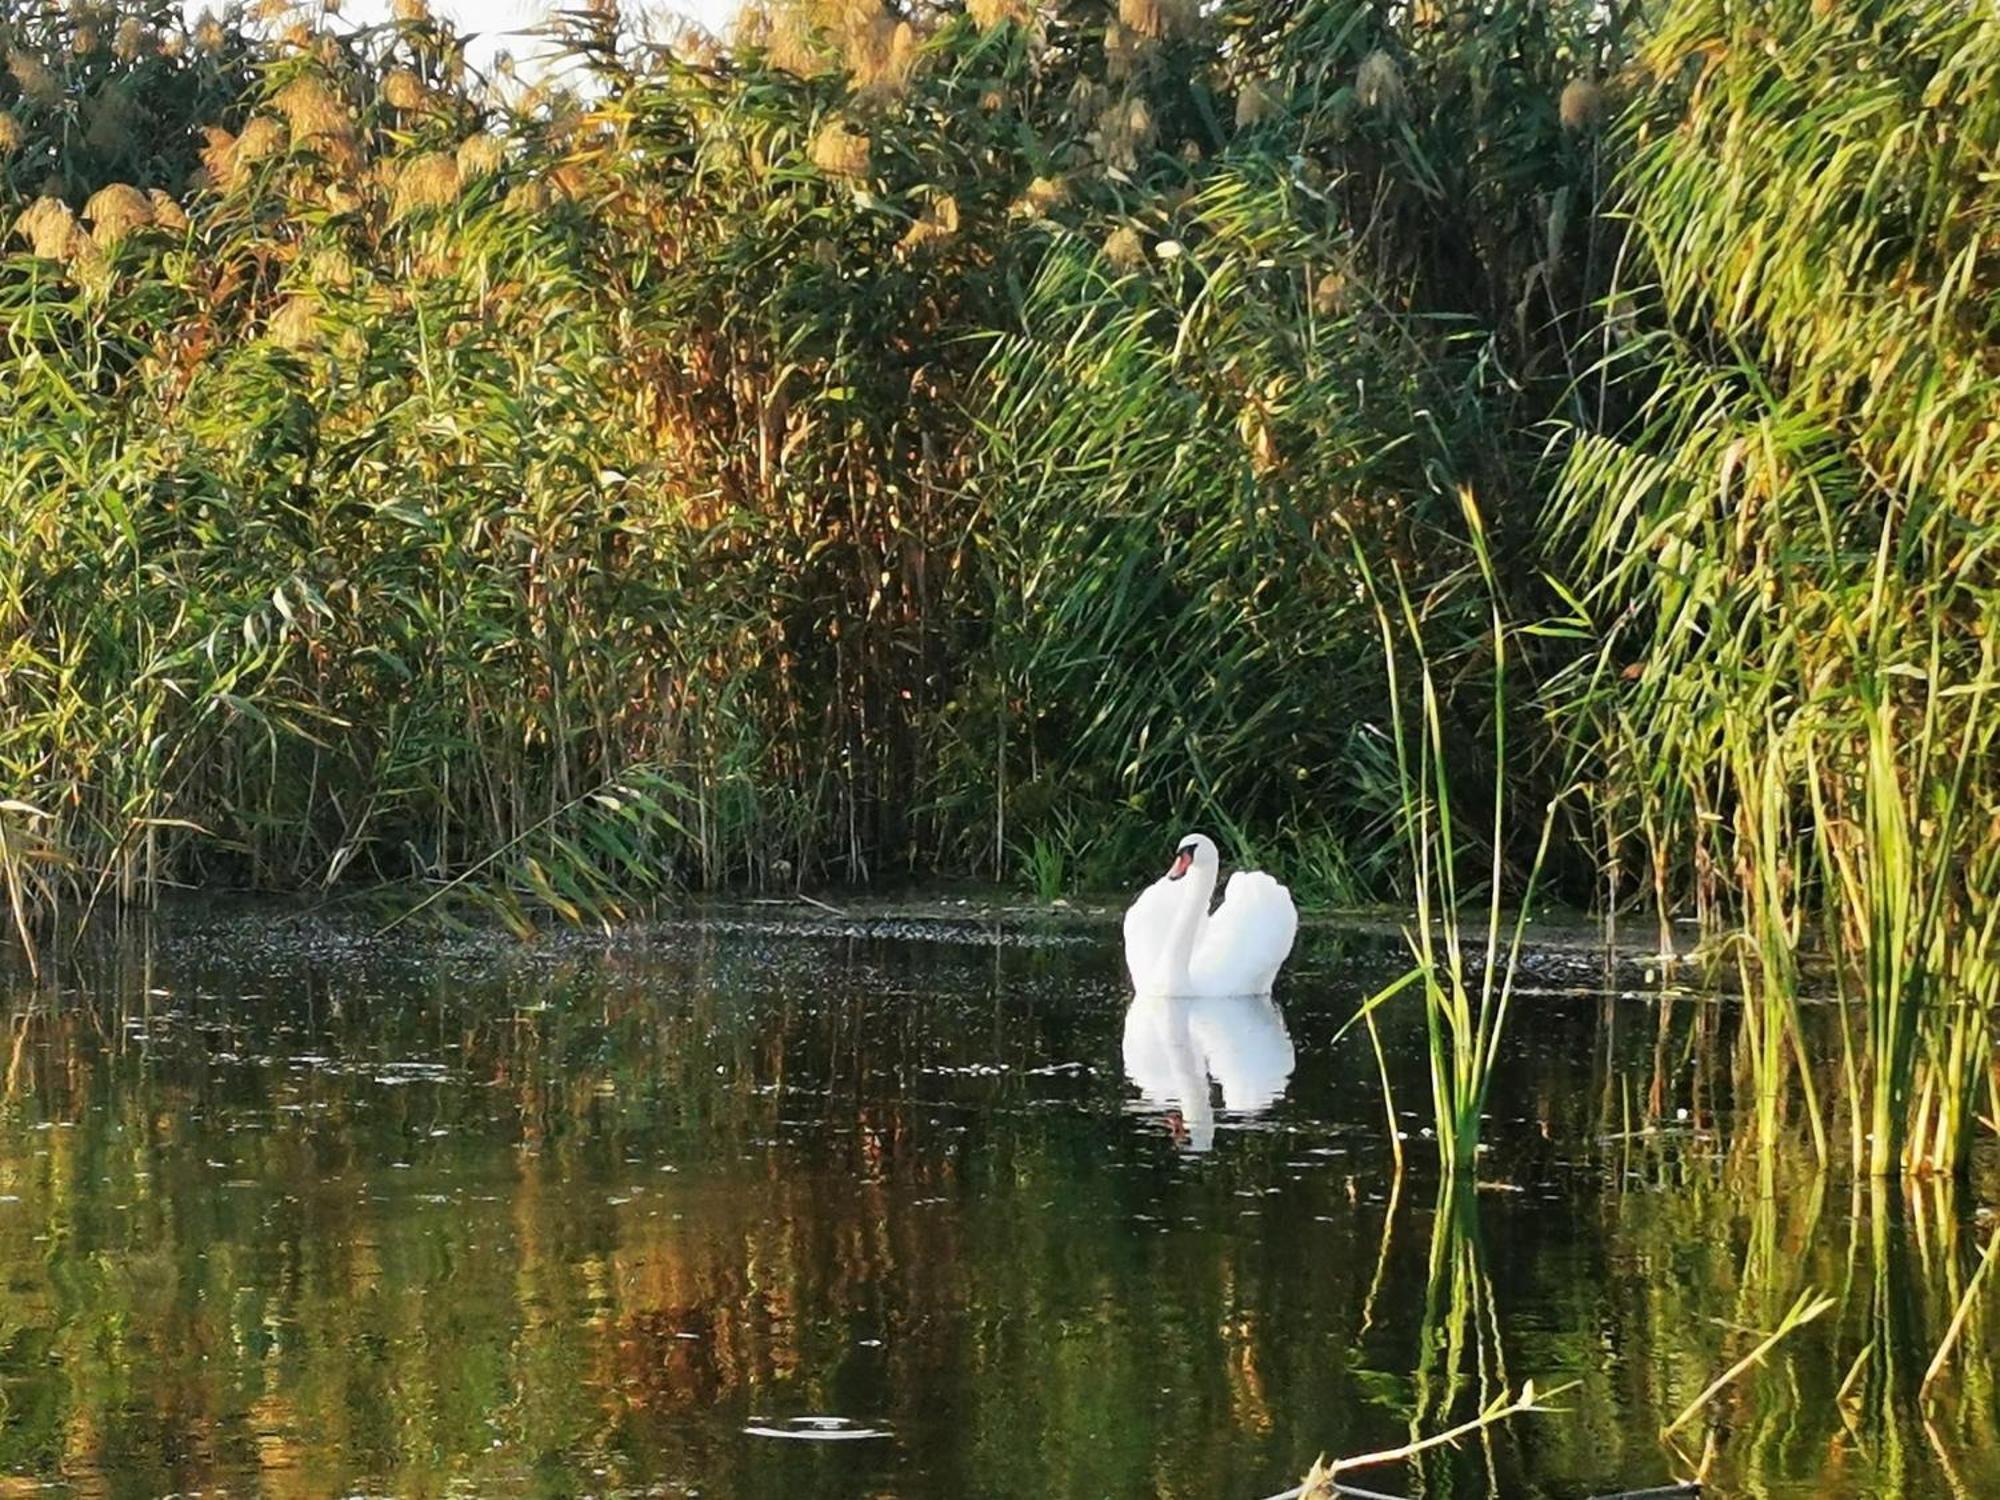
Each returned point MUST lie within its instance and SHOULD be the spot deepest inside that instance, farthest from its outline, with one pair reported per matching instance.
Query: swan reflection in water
(1175, 1046)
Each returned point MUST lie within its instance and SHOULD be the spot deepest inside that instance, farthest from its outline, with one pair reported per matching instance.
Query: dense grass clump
(923, 440)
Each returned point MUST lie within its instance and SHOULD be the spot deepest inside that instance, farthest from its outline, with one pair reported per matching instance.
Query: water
(737, 1210)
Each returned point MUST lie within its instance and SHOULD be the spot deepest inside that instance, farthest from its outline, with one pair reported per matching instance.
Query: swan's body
(1175, 946)
(1175, 1045)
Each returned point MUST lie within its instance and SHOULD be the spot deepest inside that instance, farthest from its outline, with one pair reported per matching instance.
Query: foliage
(906, 439)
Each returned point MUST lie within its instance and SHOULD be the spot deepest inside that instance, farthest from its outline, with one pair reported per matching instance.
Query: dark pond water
(726, 1210)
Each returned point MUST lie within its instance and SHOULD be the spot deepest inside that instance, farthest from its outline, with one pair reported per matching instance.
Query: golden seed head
(133, 40)
(311, 109)
(85, 40)
(1123, 50)
(167, 213)
(331, 266)
(987, 14)
(1124, 130)
(295, 325)
(1330, 294)
(209, 35)
(1254, 105)
(172, 44)
(115, 210)
(412, 12)
(263, 135)
(1582, 105)
(33, 77)
(428, 180)
(88, 264)
(218, 157)
(1144, 17)
(479, 156)
(839, 150)
(11, 135)
(528, 198)
(270, 10)
(1378, 84)
(936, 224)
(403, 90)
(47, 225)
(1124, 249)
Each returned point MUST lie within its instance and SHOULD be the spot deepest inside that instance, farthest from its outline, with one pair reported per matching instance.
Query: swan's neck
(1197, 886)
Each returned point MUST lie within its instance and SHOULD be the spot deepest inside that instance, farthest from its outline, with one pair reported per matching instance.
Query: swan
(1175, 1045)
(1175, 946)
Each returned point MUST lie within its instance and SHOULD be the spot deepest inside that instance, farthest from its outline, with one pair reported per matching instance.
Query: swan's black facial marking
(1183, 858)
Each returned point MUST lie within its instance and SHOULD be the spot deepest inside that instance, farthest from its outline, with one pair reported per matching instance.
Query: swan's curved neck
(1196, 888)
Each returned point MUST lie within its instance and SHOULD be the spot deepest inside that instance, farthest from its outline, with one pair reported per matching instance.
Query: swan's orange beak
(1180, 865)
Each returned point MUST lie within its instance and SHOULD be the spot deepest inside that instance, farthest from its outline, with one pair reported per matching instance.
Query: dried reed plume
(1124, 50)
(295, 325)
(263, 136)
(37, 83)
(1582, 105)
(1330, 294)
(1041, 195)
(1124, 130)
(479, 156)
(428, 180)
(10, 135)
(1159, 18)
(987, 14)
(311, 109)
(839, 150)
(133, 40)
(46, 224)
(528, 198)
(404, 90)
(881, 50)
(1254, 105)
(218, 157)
(1124, 249)
(115, 210)
(1378, 84)
(331, 266)
(167, 213)
(935, 225)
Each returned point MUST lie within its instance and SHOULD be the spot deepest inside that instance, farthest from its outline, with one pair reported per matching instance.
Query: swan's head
(1197, 852)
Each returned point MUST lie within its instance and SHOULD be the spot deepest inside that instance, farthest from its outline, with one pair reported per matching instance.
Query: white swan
(1174, 1045)
(1173, 946)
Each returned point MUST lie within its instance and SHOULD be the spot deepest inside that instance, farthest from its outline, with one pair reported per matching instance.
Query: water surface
(743, 1209)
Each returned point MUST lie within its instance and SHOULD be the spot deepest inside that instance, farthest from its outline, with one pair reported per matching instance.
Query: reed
(1467, 991)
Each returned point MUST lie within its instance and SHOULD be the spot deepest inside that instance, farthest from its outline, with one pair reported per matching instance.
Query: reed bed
(953, 442)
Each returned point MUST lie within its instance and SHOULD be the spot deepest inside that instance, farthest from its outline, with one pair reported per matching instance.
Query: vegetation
(957, 441)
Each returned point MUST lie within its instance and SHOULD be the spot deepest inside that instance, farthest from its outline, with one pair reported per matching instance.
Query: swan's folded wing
(1148, 922)
(1247, 939)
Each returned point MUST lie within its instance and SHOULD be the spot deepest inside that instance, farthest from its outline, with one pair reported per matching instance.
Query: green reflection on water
(292, 1216)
